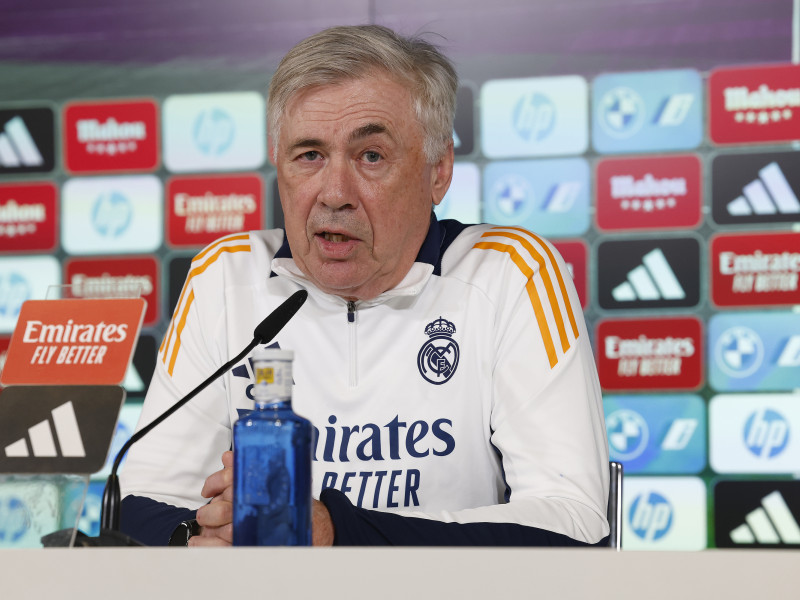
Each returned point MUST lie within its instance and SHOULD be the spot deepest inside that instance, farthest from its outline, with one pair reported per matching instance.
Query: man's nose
(337, 189)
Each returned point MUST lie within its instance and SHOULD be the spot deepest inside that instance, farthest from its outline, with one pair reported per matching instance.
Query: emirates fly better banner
(68, 342)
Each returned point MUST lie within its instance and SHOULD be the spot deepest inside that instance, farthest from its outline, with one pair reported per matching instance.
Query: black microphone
(263, 334)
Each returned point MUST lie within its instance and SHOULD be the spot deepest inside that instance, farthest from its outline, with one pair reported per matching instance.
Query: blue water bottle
(272, 461)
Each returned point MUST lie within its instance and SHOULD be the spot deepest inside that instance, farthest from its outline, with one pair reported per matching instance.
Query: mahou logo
(27, 217)
(202, 209)
(116, 278)
(657, 192)
(119, 136)
(663, 354)
(755, 269)
(755, 104)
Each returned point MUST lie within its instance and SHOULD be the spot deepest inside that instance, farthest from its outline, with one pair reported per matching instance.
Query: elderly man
(446, 368)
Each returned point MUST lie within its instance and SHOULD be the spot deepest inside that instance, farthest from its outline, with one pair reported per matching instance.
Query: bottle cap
(272, 354)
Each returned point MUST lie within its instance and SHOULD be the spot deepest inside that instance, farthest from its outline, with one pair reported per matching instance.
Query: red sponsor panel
(754, 104)
(114, 278)
(760, 269)
(658, 192)
(73, 342)
(574, 255)
(650, 354)
(202, 209)
(28, 217)
(119, 136)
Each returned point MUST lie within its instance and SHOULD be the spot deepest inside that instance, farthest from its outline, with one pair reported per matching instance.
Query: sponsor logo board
(534, 117)
(202, 209)
(757, 514)
(28, 217)
(550, 197)
(754, 433)
(647, 111)
(576, 261)
(664, 513)
(112, 215)
(659, 192)
(756, 188)
(656, 434)
(760, 269)
(754, 351)
(650, 354)
(754, 104)
(653, 273)
(462, 201)
(111, 136)
(128, 277)
(214, 132)
(73, 341)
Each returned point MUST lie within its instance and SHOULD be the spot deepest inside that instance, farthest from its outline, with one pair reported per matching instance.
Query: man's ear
(442, 175)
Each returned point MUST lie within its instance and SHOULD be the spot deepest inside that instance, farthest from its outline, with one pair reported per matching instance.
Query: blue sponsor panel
(548, 197)
(754, 351)
(656, 434)
(664, 513)
(754, 433)
(647, 111)
(535, 116)
(462, 201)
(24, 278)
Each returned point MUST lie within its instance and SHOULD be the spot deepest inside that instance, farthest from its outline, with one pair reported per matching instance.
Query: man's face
(355, 187)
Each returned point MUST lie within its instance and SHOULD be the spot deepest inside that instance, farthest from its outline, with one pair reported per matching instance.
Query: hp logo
(214, 131)
(534, 117)
(111, 214)
(650, 516)
(766, 433)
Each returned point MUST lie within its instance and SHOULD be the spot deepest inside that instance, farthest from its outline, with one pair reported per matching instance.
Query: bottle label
(272, 381)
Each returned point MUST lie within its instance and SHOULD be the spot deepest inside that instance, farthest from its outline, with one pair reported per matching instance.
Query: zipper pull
(351, 311)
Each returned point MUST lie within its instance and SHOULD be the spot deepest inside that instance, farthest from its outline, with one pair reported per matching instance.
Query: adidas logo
(770, 523)
(654, 279)
(562, 197)
(768, 195)
(17, 147)
(41, 436)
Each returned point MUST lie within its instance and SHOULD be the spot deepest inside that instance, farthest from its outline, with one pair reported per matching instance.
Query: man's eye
(371, 156)
(310, 155)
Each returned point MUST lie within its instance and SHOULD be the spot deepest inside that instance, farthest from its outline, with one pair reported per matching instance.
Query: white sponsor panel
(664, 513)
(112, 215)
(214, 132)
(754, 433)
(24, 278)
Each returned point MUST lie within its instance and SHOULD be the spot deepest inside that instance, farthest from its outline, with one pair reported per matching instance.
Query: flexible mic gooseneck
(263, 334)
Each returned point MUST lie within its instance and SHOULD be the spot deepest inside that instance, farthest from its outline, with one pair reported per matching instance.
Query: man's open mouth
(335, 237)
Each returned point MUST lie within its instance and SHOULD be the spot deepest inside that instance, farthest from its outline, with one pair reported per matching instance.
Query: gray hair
(352, 52)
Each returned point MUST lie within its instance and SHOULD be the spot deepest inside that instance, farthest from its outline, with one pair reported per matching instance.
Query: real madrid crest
(438, 358)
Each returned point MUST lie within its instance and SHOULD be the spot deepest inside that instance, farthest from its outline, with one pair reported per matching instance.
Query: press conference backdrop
(654, 142)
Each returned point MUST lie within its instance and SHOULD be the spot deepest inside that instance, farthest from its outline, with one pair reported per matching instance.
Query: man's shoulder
(485, 253)
(246, 250)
